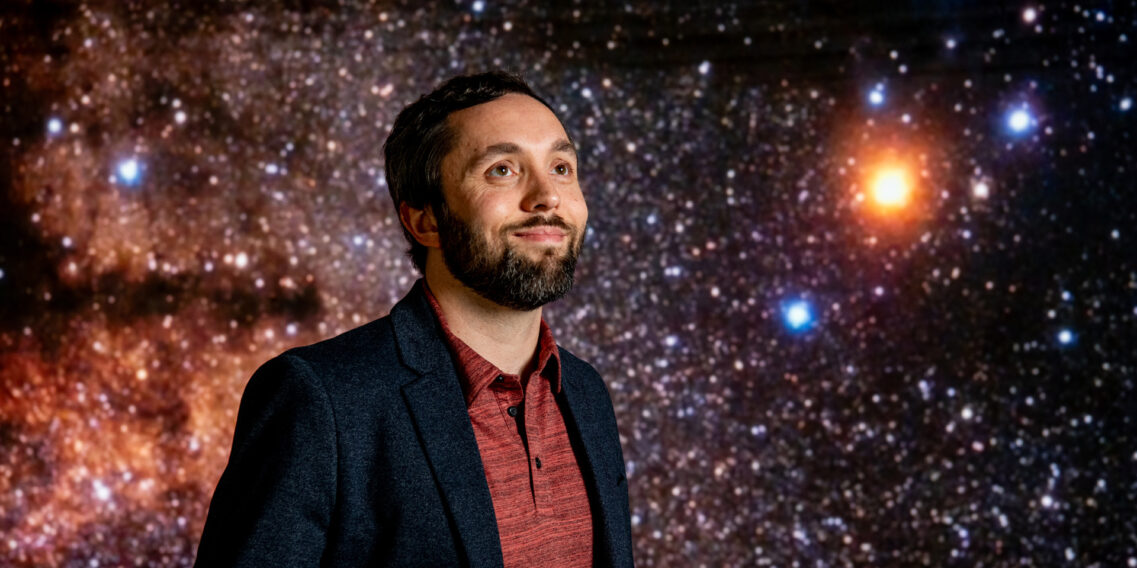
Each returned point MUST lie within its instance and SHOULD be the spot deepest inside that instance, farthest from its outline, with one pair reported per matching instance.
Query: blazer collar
(418, 336)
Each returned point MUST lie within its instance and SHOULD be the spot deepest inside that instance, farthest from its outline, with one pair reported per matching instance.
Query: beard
(507, 277)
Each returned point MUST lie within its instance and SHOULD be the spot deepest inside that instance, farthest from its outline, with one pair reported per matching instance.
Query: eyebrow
(564, 145)
(503, 148)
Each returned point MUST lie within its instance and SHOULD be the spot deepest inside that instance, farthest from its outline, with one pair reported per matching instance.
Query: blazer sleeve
(273, 504)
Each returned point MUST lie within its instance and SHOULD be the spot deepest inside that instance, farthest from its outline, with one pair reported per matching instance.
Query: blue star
(798, 315)
(876, 96)
(1019, 120)
(129, 171)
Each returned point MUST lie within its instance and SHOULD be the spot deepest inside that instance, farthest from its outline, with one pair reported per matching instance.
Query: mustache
(554, 221)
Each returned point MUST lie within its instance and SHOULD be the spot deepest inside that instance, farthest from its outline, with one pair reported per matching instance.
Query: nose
(541, 195)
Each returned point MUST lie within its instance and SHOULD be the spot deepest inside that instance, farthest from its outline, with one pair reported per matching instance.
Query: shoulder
(575, 366)
(366, 342)
(364, 357)
(582, 374)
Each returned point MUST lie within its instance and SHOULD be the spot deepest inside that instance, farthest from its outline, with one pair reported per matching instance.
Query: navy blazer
(358, 451)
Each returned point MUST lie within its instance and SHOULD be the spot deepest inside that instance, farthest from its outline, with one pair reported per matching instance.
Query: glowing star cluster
(860, 282)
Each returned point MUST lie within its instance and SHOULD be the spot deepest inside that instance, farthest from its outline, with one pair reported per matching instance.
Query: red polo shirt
(538, 493)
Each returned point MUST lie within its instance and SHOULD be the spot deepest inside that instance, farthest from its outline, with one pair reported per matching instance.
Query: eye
(500, 170)
(562, 169)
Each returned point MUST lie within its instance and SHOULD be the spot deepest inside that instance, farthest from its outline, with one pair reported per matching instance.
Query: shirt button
(499, 379)
(538, 460)
(512, 411)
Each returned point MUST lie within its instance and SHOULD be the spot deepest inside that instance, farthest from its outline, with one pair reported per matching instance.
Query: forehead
(514, 118)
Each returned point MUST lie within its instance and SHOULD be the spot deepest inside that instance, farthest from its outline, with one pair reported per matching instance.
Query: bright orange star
(890, 188)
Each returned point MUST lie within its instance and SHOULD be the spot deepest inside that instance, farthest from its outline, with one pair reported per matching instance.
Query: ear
(421, 224)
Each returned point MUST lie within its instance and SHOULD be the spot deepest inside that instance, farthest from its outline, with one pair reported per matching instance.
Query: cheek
(578, 207)
(490, 211)
(496, 208)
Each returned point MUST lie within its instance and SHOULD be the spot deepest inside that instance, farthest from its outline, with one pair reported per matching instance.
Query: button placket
(537, 392)
(510, 396)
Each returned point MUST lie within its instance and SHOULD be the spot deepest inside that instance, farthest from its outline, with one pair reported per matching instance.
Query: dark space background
(803, 375)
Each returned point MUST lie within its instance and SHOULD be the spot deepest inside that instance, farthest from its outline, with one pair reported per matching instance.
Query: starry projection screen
(860, 277)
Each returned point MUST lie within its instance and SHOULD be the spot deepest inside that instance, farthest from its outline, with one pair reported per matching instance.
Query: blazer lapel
(586, 424)
(443, 425)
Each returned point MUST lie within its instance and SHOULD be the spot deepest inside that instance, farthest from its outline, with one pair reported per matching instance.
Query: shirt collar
(475, 372)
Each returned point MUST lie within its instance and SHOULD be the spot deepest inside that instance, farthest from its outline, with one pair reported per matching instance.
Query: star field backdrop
(862, 281)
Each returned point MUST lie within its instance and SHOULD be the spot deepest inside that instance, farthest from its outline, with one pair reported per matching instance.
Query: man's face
(514, 217)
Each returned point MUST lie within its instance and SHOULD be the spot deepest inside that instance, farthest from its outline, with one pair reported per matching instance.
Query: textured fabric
(358, 451)
(542, 510)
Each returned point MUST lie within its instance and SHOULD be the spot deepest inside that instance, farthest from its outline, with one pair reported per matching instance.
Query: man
(453, 432)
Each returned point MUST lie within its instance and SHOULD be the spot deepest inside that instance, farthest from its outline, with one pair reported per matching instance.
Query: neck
(503, 336)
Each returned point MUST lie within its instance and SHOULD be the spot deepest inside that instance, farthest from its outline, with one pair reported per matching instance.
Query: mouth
(543, 230)
(542, 234)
